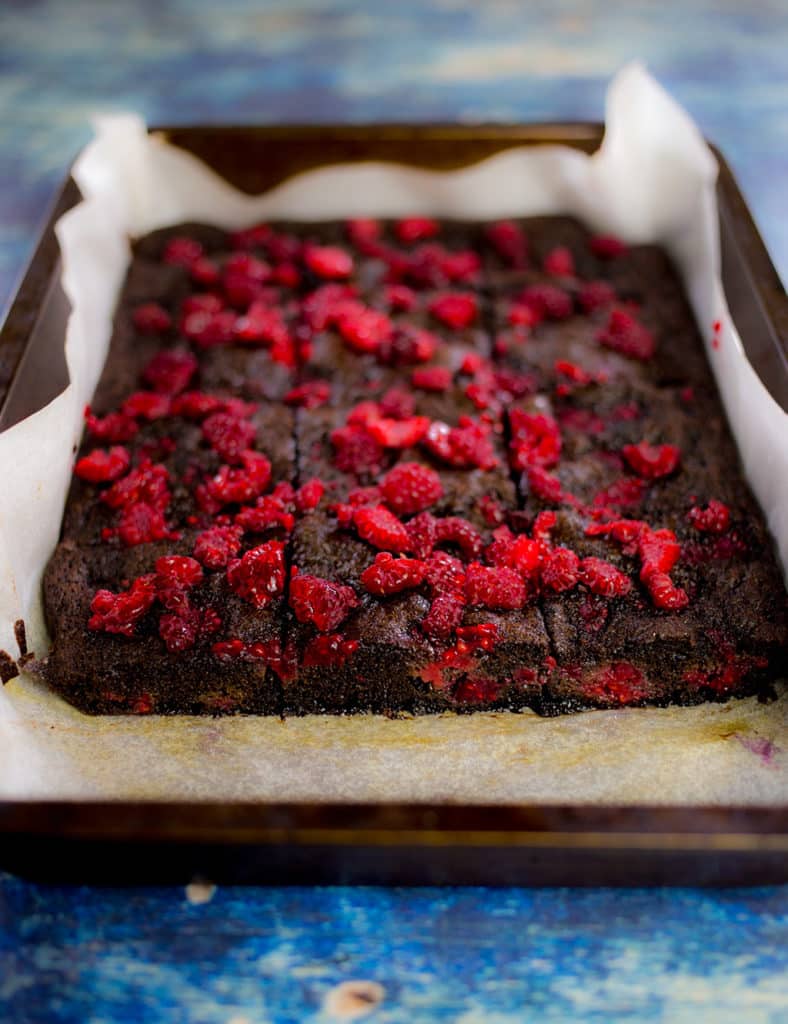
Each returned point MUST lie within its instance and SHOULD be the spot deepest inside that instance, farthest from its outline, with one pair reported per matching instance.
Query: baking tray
(386, 843)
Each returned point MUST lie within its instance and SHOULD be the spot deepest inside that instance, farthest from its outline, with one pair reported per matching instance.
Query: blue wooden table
(462, 955)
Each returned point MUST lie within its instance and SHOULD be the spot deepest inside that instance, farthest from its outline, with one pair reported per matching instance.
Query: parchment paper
(652, 180)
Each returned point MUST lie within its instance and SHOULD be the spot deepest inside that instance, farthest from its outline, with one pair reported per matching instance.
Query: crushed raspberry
(364, 496)
(120, 613)
(546, 301)
(261, 324)
(658, 550)
(494, 587)
(259, 576)
(573, 372)
(461, 266)
(482, 637)
(308, 495)
(445, 574)
(624, 493)
(194, 405)
(102, 465)
(169, 372)
(181, 630)
(329, 650)
(465, 446)
(652, 461)
(228, 435)
(455, 309)
(410, 487)
(606, 247)
(399, 298)
(623, 531)
(208, 330)
(431, 378)
(491, 510)
(356, 451)
(422, 534)
(205, 272)
(714, 518)
(310, 395)
(182, 251)
(141, 523)
(381, 528)
(216, 546)
(397, 404)
(623, 334)
(545, 486)
(595, 295)
(323, 307)
(543, 525)
(444, 616)
(510, 243)
(322, 602)
(362, 230)
(389, 575)
(151, 318)
(536, 440)
(201, 302)
(146, 405)
(328, 261)
(560, 570)
(399, 433)
(458, 531)
(618, 683)
(603, 578)
(251, 238)
(408, 345)
(416, 229)
(175, 576)
(473, 689)
(523, 554)
(147, 483)
(240, 484)
(559, 262)
(269, 512)
(363, 329)
(665, 594)
(115, 427)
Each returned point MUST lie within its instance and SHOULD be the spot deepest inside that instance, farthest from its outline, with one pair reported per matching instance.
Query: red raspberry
(308, 495)
(103, 465)
(509, 242)
(228, 435)
(181, 630)
(310, 395)
(175, 576)
(626, 336)
(658, 550)
(455, 309)
(141, 523)
(652, 461)
(456, 530)
(524, 555)
(396, 404)
(444, 616)
(229, 650)
(389, 575)
(536, 440)
(320, 601)
(182, 251)
(194, 405)
(363, 329)
(560, 570)
(200, 302)
(595, 295)
(465, 446)
(113, 427)
(146, 405)
(619, 683)
(482, 637)
(381, 528)
(559, 262)
(416, 229)
(494, 587)
(120, 613)
(205, 272)
(268, 512)
(259, 576)
(410, 487)
(250, 238)
(169, 372)
(248, 266)
(362, 230)
(715, 518)
(546, 301)
(332, 650)
(624, 531)
(407, 346)
(399, 433)
(147, 483)
(151, 318)
(262, 324)
(431, 378)
(624, 493)
(603, 578)
(544, 524)
(665, 594)
(545, 486)
(208, 330)
(422, 534)
(237, 485)
(328, 261)
(606, 247)
(491, 510)
(399, 298)
(356, 451)
(573, 372)
(216, 546)
(445, 574)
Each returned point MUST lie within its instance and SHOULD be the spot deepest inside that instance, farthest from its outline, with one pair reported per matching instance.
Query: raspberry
(619, 683)
(308, 495)
(356, 451)
(715, 518)
(250, 238)
(523, 554)
(626, 336)
(407, 346)
(310, 395)
(262, 324)
(175, 576)
(595, 295)
(381, 528)
(422, 534)
(396, 404)
(652, 461)
(399, 433)
(458, 531)
(208, 330)
(410, 487)
(416, 229)
(181, 630)
(389, 575)
(229, 650)
(543, 525)
(573, 372)
(606, 247)
(259, 576)
(228, 435)
(328, 261)
(147, 483)
(326, 304)
(455, 309)
(491, 510)
(509, 242)
(482, 637)
(236, 485)
(146, 405)
(201, 302)
(329, 650)
(170, 372)
(120, 613)
(665, 594)
(624, 531)
(445, 574)
(431, 378)
(141, 523)
(465, 446)
(519, 316)
(399, 298)
(560, 570)
(624, 493)
(245, 264)
(103, 465)
(194, 405)
(559, 262)
(603, 578)
(545, 486)
(472, 363)
(205, 272)
(494, 587)
(536, 440)
(658, 550)
(320, 601)
(151, 318)
(286, 274)
(269, 512)
(114, 427)
(216, 546)
(361, 231)
(477, 690)
(363, 329)
(444, 616)
(182, 251)
(546, 301)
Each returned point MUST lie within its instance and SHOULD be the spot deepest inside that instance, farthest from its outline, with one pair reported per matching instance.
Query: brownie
(407, 466)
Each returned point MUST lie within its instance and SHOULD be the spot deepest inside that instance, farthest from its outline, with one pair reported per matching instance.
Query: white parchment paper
(651, 181)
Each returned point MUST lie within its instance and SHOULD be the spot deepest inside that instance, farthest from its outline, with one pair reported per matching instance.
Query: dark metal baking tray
(130, 842)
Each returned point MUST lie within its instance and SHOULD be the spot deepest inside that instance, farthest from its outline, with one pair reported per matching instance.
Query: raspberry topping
(216, 546)
(381, 528)
(410, 487)
(329, 650)
(208, 330)
(595, 295)
(329, 262)
(603, 578)
(176, 574)
(545, 485)
(269, 512)
(455, 309)
(322, 602)
(181, 630)
(422, 533)
(546, 301)
(626, 336)
(114, 427)
(509, 242)
(170, 372)
(309, 495)
(120, 613)
(665, 594)
(494, 587)
(714, 518)
(262, 325)
(652, 461)
(407, 346)
(559, 262)
(363, 329)
(416, 229)
(228, 435)
(102, 466)
(465, 446)
(146, 405)
(536, 440)
(151, 318)
(356, 451)
(607, 247)
(431, 378)
(458, 531)
(182, 251)
(259, 576)
(561, 570)
(239, 484)
(389, 575)
(399, 433)
(310, 395)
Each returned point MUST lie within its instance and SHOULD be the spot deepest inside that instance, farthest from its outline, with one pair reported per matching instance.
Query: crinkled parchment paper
(652, 180)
